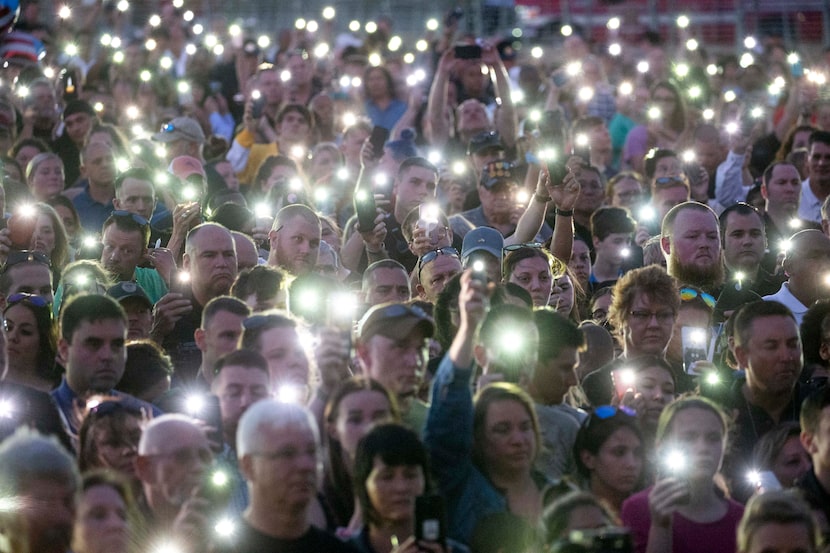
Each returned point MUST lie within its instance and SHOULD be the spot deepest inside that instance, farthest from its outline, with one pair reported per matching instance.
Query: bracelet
(541, 199)
(565, 212)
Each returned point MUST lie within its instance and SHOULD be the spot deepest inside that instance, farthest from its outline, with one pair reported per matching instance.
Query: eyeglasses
(35, 300)
(432, 255)
(642, 316)
(134, 216)
(26, 256)
(168, 127)
(688, 294)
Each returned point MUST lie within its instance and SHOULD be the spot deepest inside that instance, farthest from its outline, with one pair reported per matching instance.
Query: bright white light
(321, 50)
(585, 93)
(123, 5)
(517, 96)
(122, 164)
(647, 213)
(6, 409)
(732, 127)
(183, 87)
(432, 24)
(166, 62)
(793, 58)
(750, 42)
(155, 20)
(421, 45)
(290, 393)
(654, 113)
(234, 30)
(375, 59)
(312, 26)
(342, 173)
(300, 24)
(712, 69)
(626, 88)
(434, 157)
(354, 26)
(198, 29)
(409, 57)
(683, 21)
(729, 96)
(573, 68)
(688, 156)
(615, 49)
(613, 23)
(225, 528)
(285, 75)
(356, 81)
(708, 114)
(746, 60)
(459, 167)
(566, 30)
(681, 70)
(712, 378)
(695, 92)
(394, 43)
(263, 41)
(328, 13)
(65, 12)
(536, 52)
(675, 461)
(194, 404)
(642, 66)
(188, 15)
(692, 45)
(371, 27)
(71, 49)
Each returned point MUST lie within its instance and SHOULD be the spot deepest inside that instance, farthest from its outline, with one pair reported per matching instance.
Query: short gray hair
(275, 415)
(27, 456)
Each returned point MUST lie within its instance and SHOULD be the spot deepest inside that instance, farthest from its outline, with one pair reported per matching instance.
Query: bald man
(173, 456)
(807, 263)
(295, 240)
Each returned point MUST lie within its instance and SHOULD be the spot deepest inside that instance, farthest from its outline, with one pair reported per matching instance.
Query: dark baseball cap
(127, 289)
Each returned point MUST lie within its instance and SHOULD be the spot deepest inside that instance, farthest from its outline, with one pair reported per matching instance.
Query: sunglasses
(432, 255)
(514, 247)
(688, 294)
(26, 256)
(666, 181)
(168, 127)
(400, 310)
(37, 301)
(134, 216)
(605, 412)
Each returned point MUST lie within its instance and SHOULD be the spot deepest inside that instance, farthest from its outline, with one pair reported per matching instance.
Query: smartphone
(468, 52)
(21, 227)
(257, 107)
(379, 137)
(624, 379)
(558, 171)
(479, 268)
(366, 209)
(430, 518)
(695, 343)
(215, 87)
(582, 150)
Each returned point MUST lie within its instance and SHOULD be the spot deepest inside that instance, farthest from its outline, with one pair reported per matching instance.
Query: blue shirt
(386, 118)
(91, 213)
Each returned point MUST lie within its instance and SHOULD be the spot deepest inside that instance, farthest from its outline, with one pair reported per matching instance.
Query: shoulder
(323, 542)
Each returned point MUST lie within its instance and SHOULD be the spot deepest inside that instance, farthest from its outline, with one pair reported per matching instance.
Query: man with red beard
(691, 243)
(295, 240)
(209, 265)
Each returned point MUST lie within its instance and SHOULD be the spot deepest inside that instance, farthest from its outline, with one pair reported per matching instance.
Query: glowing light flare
(98, 107)
(65, 12)
(285, 75)
(522, 197)
(342, 173)
(432, 24)
(674, 461)
(290, 393)
(234, 30)
(312, 26)
(626, 88)
(89, 241)
(297, 152)
(356, 81)
(329, 13)
(421, 45)
(537, 52)
(692, 45)
(354, 26)
(793, 58)
(573, 68)
(708, 114)
(375, 59)
(750, 43)
(166, 62)
(647, 213)
(122, 6)
(566, 30)
(795, 223)
(654, 113)
(681, 70)
(585, 94)
(300, 24)
(395, 43)
(349, 119)
(155, 20)
(688, 156)
(6, 410)
(683, 21)
(370, 27)
(198, 29)
(459, 167)
(122, 164)
(517, 96)
(712, 379)
(732, 127)
(117, 57)
(321, 50)
(194, 404)
(71, 49)
(746, 60)
(642, 66)
(145, 76)
(409, 57)
(188, 15)
(615, 49)
(695, 92)
(711, 69)
(729, 96)
(613, 23)
(434, 157)
(225, 528)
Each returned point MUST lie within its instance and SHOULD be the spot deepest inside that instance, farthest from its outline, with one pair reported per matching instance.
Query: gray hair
(28, 455)
(276, 416)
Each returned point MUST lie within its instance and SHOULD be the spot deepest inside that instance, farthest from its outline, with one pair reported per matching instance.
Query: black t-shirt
(251, 540)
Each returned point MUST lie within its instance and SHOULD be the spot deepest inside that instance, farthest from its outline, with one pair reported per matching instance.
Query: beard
(707, 279)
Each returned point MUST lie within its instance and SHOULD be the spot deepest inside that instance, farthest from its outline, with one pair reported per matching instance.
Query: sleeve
(238, 154)
(636, 517)
(729, 188)
(222, 125)
(448, 434)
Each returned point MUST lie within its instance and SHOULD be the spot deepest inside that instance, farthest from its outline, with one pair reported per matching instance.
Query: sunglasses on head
(37, 301)
(432, 255)
(688, 294)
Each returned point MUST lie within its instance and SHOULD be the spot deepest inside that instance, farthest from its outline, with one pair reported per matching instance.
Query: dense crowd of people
(350, 292)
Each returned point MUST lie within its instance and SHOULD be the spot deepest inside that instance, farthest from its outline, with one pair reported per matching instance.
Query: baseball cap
(126, 289)
(186, 166)
(484, 239)
(497, 172)
(394, 320)
(77, 106)
(483, 141)
(181, 128)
